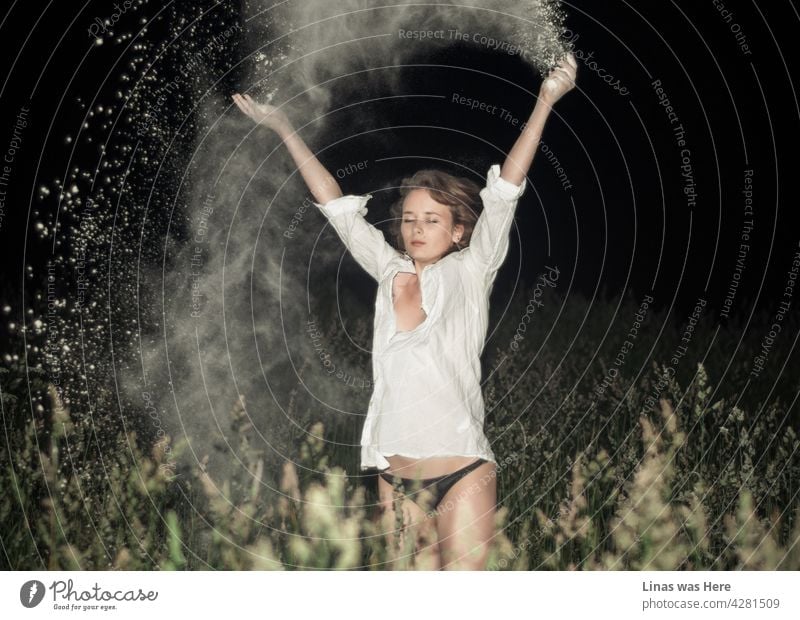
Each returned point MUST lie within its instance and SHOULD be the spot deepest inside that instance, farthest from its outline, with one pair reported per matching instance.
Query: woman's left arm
(558, 83)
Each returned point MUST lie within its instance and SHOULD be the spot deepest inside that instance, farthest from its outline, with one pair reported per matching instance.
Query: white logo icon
(31, 593)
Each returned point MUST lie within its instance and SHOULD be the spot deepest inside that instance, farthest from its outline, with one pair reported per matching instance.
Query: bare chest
(407, 301)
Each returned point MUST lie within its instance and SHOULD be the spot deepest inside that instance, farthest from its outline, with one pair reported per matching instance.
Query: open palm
(263, 113)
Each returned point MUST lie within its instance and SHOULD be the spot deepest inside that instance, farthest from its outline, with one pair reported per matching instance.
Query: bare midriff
(409, 467)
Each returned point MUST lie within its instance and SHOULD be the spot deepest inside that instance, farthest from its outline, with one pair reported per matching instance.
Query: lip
(417, 243)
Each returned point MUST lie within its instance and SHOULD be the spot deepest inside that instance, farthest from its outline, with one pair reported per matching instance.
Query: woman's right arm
(321, 182)
(365, 242)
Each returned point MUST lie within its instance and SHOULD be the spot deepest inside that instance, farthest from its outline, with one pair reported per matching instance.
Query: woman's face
(427, 227)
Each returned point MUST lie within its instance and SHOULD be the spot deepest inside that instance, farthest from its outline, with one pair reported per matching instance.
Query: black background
(630, 218)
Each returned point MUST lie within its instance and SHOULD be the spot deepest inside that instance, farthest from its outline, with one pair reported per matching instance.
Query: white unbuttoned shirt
(427, 400)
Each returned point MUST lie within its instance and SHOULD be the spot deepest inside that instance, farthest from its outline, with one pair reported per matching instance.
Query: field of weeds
(665, 463)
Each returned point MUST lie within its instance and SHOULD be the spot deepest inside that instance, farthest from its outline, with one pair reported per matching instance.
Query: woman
(424, 426)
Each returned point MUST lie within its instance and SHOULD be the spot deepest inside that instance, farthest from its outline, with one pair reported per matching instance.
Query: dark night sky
(630, 226)
(653, 206)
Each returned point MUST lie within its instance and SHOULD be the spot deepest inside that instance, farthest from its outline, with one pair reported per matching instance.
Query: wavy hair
(460, 194)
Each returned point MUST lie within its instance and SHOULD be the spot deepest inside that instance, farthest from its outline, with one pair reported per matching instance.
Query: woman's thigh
(466, 520)
(415, 525)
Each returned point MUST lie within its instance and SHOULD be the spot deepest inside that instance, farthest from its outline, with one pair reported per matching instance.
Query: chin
(427, 256)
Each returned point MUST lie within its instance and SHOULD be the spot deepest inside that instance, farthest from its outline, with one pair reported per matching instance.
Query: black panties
(439, 485)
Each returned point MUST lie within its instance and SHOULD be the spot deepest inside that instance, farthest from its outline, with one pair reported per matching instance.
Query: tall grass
(706, 478)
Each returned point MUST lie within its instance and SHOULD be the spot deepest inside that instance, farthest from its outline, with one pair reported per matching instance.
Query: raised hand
(264, 114)
(560, 80)
(558, 83)
(321, 183)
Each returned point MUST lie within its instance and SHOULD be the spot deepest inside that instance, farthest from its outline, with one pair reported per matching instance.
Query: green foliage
(595, 472)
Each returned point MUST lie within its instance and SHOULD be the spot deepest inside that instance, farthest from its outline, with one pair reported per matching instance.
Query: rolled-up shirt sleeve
(488, 245)
(366, 244)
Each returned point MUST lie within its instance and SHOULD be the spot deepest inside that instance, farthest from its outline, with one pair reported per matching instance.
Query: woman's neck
(419, 265)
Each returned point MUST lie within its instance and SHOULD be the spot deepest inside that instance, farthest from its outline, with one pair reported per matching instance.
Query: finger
(244, 107)
(240, 102)
(241, 107)
(565, 73)
(566, 67)
(251, 103)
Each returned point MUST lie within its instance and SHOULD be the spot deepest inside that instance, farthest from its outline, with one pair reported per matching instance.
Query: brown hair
(459, 193)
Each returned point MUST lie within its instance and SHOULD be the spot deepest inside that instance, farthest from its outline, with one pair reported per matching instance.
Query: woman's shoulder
(398, 262)
(457, 268)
